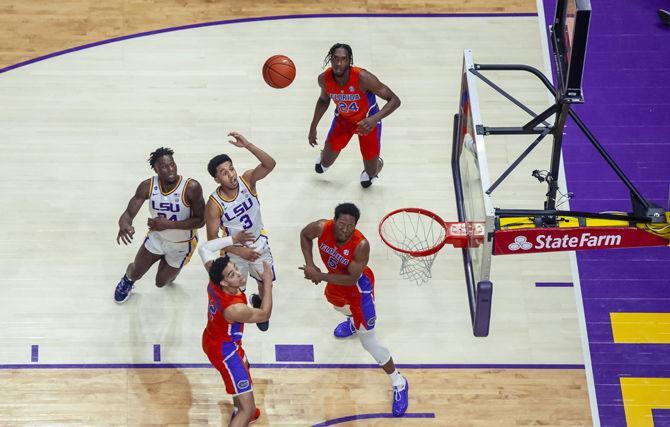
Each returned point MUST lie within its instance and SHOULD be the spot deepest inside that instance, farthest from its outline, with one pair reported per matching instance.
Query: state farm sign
(570, 239)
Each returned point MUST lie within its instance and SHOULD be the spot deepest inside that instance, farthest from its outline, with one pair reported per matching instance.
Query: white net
(416, 269)
(414, 232)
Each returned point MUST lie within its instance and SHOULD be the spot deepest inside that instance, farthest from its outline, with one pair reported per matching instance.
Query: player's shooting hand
(242, 237)
(312, 273)
(159, 224)
(248, 253)
(125, 235)
(238, 140)
(366, 126)
(311, 137)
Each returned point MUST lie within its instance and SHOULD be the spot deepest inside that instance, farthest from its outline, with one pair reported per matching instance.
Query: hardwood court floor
(29, 29)
(286, 397)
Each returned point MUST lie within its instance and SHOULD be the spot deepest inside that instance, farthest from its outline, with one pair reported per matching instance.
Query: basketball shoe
(256, 415)
(400, 399)
(664, 15)
(123, 289)
(318, 167)
(256, 303)
(344, 329)
(366, 181)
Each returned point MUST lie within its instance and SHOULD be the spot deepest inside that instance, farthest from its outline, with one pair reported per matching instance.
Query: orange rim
(420, 211)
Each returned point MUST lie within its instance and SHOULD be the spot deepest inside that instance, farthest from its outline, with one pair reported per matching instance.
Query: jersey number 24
(352, 107)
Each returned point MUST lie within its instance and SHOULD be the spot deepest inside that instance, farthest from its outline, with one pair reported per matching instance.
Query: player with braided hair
(177, 210)
(354, 91)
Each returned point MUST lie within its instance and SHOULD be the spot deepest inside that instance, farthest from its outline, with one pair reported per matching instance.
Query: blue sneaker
(122, 292)
(400, 399)
(345, 329)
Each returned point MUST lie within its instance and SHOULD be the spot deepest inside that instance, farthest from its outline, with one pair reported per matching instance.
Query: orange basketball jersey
(351, 102)
(218, 328)
(337, 258)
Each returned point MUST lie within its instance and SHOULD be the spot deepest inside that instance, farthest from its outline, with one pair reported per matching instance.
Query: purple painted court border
(294, 353)
(369, 416)
(34, 353)
(264, 18)
(554, 284)
(661, 417)
(157, 352)
(288, 366)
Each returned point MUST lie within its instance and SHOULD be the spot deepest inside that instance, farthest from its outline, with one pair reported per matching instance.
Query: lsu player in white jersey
(234, 207)
(177, 210)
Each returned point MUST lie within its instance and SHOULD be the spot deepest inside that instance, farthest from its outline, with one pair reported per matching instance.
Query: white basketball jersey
(172, 206)
(241, 213)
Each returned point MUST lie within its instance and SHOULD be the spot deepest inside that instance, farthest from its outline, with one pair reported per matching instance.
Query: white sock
(318, 162)
(396, 379)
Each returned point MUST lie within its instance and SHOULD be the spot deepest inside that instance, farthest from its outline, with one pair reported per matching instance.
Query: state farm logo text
(586, 240)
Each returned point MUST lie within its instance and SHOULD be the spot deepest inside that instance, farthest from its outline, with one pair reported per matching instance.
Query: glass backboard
(471, 179)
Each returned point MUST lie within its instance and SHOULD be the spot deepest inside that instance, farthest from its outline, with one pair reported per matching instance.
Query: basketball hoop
(416, 235)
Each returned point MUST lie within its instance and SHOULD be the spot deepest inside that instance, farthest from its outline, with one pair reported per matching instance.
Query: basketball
(278, 71)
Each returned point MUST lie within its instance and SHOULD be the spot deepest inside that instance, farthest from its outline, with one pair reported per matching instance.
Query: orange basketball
(278, 71)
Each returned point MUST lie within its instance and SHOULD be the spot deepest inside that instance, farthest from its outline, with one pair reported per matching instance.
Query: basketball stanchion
(416, 235)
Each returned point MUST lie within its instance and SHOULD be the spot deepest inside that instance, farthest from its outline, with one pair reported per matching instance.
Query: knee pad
(371, 345)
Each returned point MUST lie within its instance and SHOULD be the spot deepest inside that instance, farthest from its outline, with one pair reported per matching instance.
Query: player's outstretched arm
(320, 109)
(244, 314)
(370, 82)
(126, 229)
(194, 197)
(209, 251)
(267, 163)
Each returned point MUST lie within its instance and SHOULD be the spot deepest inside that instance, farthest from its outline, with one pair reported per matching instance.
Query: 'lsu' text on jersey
(171, 205)
(243, 212)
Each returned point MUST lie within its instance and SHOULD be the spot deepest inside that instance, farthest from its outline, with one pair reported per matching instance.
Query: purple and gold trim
(221, 195)
(183, 193)
(160, 187)
(151, 187)
(246, 184)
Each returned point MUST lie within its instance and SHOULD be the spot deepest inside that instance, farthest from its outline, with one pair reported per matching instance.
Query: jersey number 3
(246, 222)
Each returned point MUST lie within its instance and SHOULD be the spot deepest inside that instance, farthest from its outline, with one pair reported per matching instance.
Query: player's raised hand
(311, 137)
(242, 237)
(238, 140)
(125, 234)
(248, 253)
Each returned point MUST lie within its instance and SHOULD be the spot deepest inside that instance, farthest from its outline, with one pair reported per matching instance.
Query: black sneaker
(664, 15)
(256, 303)
(366, 181)
(318, 168)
